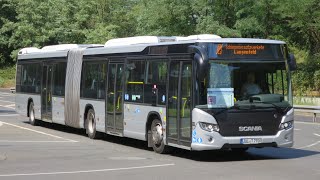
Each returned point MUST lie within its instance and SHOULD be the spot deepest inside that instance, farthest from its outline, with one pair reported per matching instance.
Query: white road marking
(5, 115)
(10, 105)
(309, 123)
(7, 101)
(8, 141)
(3, 93)
(7, 107)
(1, 123)
(6, 95)
(297, 129)
(70, 140)
(86, 171)
(316, 134)
(310, 145)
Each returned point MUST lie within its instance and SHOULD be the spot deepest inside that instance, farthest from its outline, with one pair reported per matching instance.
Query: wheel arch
(151, 116)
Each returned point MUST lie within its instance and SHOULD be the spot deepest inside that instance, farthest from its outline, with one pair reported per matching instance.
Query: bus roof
(244, 40)
(123, 45)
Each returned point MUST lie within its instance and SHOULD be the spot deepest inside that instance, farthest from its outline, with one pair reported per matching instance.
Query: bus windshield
(245, 84)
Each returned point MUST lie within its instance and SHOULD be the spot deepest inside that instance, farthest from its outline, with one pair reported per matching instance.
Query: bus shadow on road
(102, 136)
(252, 154)
(59, 127)
(205, 156)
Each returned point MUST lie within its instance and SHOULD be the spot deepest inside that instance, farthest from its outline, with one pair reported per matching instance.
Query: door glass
(46, 96)
(118, 99)
(173, 99)
(185, 101)
(110, 95)
(44, 91)
(49, 91)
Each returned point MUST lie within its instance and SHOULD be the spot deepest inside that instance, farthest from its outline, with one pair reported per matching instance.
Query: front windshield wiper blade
(278, 108)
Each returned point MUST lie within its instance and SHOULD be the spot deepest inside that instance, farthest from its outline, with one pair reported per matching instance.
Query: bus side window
(156, 76)
(135, 81)
(30, 74)
(59, 74)
(91, 77)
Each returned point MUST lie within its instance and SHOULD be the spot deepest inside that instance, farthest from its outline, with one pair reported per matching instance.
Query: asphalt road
(51, 151)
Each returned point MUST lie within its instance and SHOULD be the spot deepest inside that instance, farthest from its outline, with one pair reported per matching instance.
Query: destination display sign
(245, 51)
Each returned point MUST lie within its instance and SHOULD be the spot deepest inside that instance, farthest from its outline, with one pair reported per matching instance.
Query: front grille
(229, 121)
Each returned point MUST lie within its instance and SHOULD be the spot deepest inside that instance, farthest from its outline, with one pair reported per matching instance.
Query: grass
(7, 77)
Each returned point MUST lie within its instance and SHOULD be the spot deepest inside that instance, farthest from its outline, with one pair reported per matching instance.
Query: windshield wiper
(278, 108)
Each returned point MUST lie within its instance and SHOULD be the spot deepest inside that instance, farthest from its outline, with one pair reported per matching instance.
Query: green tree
(216, 17)
(302, 17)
(7, 16)
(164, 17)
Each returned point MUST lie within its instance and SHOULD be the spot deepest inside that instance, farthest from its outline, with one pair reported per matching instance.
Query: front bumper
(203, 140)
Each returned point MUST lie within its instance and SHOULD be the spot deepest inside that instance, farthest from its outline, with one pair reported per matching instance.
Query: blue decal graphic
(126, 97)
(194, 133)
(137, 110)
(199, 140)
(163, 98)
(194, 139)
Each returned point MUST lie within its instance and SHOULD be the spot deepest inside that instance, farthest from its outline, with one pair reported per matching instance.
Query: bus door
(46, 93)
(114, 100)
(179, 103)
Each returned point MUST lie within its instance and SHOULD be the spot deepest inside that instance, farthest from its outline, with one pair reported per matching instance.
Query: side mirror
(201, 59)
(292, 62)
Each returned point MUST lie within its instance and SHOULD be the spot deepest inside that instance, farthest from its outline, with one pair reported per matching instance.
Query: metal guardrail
(308, 109)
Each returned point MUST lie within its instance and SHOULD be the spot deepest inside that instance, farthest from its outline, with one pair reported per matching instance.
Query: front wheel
(32, 118)
(157, 137)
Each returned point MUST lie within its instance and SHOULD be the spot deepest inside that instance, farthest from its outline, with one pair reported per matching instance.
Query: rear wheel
(91, 125)
(157, 137)
(32, 118)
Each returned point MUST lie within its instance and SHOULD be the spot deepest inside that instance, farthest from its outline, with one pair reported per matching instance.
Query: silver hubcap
(90, 122)
(157, 134)
(31, 114)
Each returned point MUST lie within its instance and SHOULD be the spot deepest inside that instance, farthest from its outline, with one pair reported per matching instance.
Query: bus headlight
(286, 125)
(209, 127)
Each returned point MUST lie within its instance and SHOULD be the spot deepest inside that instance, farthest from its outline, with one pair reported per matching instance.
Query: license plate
(250, 140)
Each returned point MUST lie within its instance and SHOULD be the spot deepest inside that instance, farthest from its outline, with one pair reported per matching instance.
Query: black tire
(239, 150)
(158, 144)
(90, 125)
(32, 118)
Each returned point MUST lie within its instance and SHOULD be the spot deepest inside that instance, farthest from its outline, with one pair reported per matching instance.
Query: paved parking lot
(51, 151)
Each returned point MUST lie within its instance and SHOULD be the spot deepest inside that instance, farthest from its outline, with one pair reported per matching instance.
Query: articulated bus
(200, 92)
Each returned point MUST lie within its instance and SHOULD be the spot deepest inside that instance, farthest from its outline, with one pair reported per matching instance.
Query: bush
(7, 77)
(307, 77)
(316, 78)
